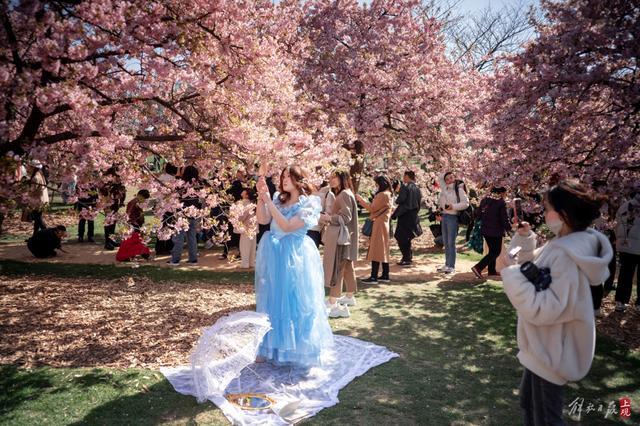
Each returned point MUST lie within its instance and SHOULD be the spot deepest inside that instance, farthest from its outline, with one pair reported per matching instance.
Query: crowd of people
(557, 289)
(488, 223)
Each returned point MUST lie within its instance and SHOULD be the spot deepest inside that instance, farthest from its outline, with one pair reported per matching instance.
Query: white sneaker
(449, 270)
(620, 307)
(347, 301)
(441, 268)
(339, 311)
(597, 313)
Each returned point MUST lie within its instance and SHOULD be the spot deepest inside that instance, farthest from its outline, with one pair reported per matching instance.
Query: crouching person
(133, 247)
(556, 327)
(45, 242)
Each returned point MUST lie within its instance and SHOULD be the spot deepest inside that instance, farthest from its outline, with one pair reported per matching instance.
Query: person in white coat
(247, 236)
(526, 239)
(452, 200)
(556, 327)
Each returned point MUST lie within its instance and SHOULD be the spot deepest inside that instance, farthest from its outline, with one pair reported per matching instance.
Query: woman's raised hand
(265, 197)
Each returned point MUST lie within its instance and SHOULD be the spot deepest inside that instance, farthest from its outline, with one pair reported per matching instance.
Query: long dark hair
(345, 180)
(577, 204)
(383, 183)
(299, 179)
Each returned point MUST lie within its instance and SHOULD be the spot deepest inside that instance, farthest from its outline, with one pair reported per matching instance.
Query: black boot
(374, 274)
(384, 278)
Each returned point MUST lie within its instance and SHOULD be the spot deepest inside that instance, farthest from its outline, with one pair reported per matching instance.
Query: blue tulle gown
(290, 289)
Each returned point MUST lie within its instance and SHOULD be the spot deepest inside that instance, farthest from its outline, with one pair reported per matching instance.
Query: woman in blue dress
(289, 276)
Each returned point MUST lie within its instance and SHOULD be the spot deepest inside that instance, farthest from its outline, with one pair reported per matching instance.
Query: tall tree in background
(381, 70)
(569, 104)
(87, 85)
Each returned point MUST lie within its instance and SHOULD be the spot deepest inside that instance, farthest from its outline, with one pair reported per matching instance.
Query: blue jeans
(192, 243)
(449, 233)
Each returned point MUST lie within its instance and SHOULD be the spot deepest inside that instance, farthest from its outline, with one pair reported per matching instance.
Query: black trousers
(608, 284)
(38, 221)
(316, 236)
(375, 267)
(541, 401)
(40, 252)
(405, 249)
(467, 235)
(233, 242)
(108, 231)
(81, 226)
(495, 247)
(629, 264)
(597, 292)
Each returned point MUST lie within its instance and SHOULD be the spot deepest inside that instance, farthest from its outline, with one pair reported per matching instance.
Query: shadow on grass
(155, 273)
(97, 397)
(457, 344)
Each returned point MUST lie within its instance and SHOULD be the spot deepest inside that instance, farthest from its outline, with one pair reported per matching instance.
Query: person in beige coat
(556, 328)
(338, 260)
(38, 191)
(380, 213)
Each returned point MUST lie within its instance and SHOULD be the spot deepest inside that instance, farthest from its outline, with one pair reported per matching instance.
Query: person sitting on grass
(135, 213)
(46, 241)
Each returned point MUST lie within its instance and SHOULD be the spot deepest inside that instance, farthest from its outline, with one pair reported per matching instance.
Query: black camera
(539, 277)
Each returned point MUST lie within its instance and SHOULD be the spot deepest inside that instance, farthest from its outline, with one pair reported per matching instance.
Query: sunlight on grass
(457, 365)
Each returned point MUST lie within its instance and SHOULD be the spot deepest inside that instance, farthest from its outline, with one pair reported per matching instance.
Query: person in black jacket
(46, 241)
(88, 202)
(115, 193)
(408, 227)
(495, 224)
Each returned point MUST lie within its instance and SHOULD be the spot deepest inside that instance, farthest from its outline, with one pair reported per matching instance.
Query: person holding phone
(552, 296)
(451, 201)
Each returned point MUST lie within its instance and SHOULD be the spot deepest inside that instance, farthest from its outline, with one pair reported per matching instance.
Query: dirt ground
(119, 323)
(138, 323)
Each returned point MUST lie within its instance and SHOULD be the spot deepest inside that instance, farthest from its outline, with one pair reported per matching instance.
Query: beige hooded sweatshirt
(556, 327)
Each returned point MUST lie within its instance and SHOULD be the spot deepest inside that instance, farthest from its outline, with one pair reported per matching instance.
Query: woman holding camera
(556, 327)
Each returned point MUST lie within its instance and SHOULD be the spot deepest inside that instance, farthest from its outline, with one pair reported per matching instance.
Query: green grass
(66, 396)
(155, 273)
(457, 365)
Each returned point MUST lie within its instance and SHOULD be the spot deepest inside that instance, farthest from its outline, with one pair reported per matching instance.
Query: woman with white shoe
(341, 253)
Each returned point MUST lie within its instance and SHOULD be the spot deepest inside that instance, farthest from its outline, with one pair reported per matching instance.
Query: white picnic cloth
(312, 389)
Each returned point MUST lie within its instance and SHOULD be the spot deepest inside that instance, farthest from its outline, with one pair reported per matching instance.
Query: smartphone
(514, 252)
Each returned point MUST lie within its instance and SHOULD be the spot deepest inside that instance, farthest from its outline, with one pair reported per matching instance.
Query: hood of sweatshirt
(443, 185)
(591, 251)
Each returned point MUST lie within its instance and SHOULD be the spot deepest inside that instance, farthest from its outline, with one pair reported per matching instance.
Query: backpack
(465, 217)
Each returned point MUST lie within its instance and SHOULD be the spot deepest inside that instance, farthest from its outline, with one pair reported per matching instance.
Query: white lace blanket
(312, 390)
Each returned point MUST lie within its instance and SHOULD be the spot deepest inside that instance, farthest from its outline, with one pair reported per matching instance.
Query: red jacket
(132, 247)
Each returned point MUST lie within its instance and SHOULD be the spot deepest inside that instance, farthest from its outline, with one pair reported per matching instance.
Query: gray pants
(541, 401)
(192, 243)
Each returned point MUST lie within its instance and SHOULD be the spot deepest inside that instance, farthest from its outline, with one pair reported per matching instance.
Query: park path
(94, 253)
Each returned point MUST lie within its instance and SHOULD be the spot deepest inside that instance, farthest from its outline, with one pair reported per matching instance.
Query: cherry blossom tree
(569, 104)
(380, 70)
(87, 85)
